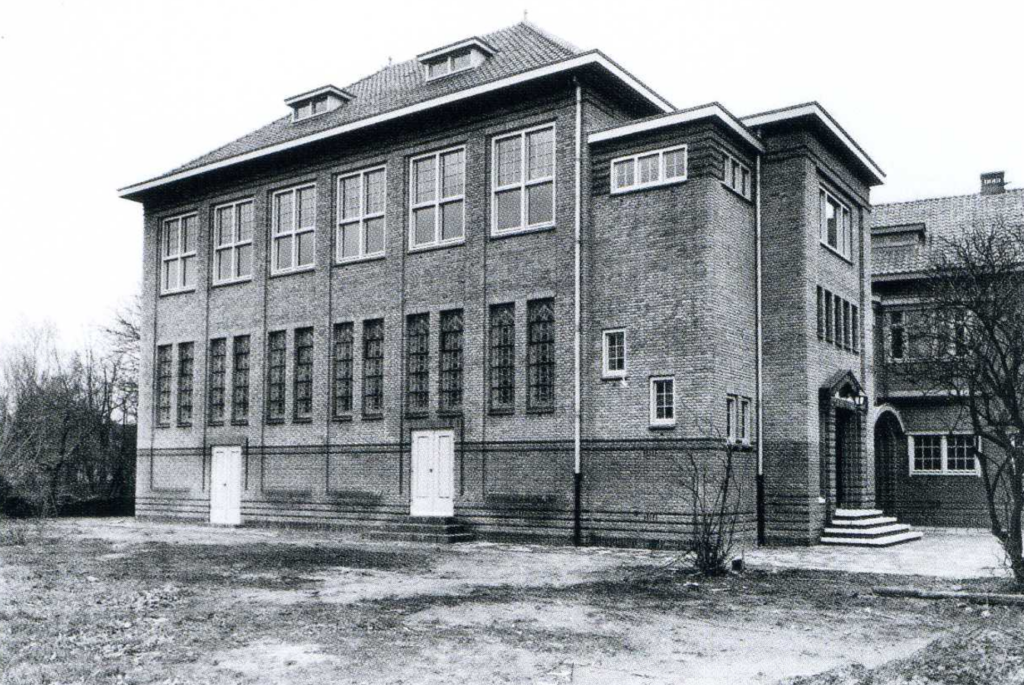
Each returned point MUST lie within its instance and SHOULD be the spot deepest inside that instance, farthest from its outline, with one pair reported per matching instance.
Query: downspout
(577, 474)
(759, 371)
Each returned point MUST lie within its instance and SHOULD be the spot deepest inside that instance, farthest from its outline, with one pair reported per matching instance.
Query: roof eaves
(712, 109)
(815, 110)
(568, 64)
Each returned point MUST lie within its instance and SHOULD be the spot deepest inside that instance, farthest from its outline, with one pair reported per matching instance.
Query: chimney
(992, 183)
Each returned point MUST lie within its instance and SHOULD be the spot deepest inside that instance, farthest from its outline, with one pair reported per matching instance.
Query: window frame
(943, 454)
(535, 366)
(217, 377)
(732, 168)
(417, 364)
(241, 349)
(844, 229)
(340, 362)
(362, 218)
(282, 366)
(294, 233)
(902, 327)
(163, 378)
(662, 180)
(300, 383)
(523, 184)
(449, 61)
(368, 326)
(180, 256)
(438, 202)
(451, 362)
(235, 244)
(656, 422)
(498, 317)
(605, 357)
(186, 384)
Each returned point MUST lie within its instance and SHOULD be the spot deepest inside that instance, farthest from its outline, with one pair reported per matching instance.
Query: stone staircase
(866, 528)
(442, 530)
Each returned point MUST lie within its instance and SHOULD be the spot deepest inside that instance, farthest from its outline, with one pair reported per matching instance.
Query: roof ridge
(946, 197)
(557, 40)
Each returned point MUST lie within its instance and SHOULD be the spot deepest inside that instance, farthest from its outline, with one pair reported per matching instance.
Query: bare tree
(968, 343)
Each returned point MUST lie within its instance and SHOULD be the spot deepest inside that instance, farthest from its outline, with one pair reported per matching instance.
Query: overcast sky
(98, 95)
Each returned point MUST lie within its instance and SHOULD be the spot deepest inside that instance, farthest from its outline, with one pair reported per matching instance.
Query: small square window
(663, 401)
(614, 354)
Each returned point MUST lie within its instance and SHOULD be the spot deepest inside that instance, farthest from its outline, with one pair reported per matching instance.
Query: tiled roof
(518, 48)
(944, 218)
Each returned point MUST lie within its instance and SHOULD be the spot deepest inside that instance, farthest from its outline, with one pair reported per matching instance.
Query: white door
(433, 474)
(226, 486)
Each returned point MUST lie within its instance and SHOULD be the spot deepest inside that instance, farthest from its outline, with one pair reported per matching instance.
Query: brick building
(507, 282)
(925, 470)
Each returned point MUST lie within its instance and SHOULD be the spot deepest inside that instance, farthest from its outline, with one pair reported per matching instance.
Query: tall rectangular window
(186, 368)
(240, 380)
(178, 254)
(438, 192)
(451, 361)
(541, 354)
(218, 378)
(232, 250)
(847, 332)
(743, 421)
(342, 377)
(277, 348)
(303, 392)
(613, 354)
(736, 176)
(502, 352)
(163, 385)
(373, 367)
(417, 363)
(835, 228)
(523, 180)
(837, 312)
(897, 336)
(821, 314)
(855, 327)
(294, 228)
(663, 401)
(361, 203)
(730, 418)
(829, 319)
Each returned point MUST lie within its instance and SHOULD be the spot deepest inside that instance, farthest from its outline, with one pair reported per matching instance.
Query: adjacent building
(927, 472)
(509, 283)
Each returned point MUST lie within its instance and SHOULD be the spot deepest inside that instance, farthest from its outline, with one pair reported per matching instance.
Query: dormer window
(316, 102)
(456, 58)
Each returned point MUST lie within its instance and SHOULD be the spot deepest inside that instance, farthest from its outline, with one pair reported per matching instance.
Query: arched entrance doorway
(890, 451)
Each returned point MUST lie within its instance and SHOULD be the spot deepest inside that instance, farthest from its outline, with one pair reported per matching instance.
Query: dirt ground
(117, 601)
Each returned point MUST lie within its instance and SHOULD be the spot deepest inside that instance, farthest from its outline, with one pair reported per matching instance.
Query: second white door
(433, 459)
(226, 486)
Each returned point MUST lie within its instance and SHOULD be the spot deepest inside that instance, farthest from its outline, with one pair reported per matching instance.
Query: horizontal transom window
(647, 169)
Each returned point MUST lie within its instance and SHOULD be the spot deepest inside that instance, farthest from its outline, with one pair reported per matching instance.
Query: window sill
(738, 193)
(342, 418)
(613, 377)
(661, 427)
(540, 410)
(275, 422)
(234, 281)
(215, 424)
(436, 246)
(292, 272)
(417, 414)
(449, 413)
(954, 474)
(501, 412)
(184, 424)
(163, 425)
(183, 291)
(648, 186)
(240, 422)
(496, 234)
(373, 417)
(302, 419)
(345, 261)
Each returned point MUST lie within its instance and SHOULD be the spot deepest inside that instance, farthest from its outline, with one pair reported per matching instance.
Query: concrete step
(884, 541)
(864, 522)
(438, 528)
(856, 513)
(872, 532)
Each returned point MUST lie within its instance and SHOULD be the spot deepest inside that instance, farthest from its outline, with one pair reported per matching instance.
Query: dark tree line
(68, 419)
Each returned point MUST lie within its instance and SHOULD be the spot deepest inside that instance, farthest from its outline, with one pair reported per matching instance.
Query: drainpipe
(759, 354)
(577, 475)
